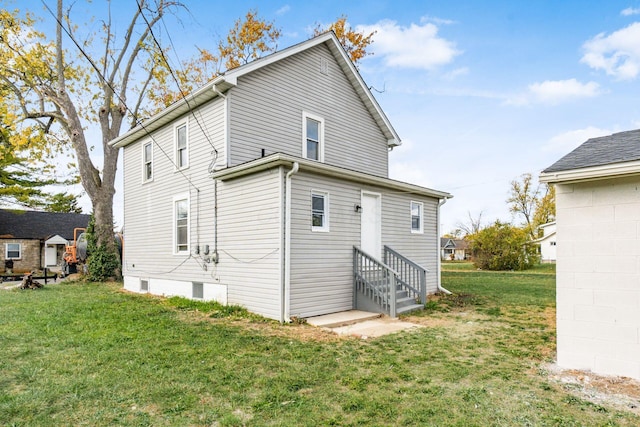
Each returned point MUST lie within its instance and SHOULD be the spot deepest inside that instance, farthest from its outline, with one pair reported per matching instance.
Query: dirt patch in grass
(621, 392)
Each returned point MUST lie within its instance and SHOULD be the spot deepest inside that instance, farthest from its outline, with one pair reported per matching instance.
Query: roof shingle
(616, 148)
(19, 224)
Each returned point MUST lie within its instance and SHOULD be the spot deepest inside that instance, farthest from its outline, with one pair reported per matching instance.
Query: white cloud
(462, 71)
(630, 11)
(415, 46)
(618, 53)
(567, 141)
(555, 92)
(284, 9)
(436, 20)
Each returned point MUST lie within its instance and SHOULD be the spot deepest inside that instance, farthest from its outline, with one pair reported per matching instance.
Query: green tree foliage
(95, 75)
(502, 246)
(102, 264)
(63, 202)
(533, 202)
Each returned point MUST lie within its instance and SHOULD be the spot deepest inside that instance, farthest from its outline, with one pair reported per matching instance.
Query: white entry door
(371, 224)
(50, 254)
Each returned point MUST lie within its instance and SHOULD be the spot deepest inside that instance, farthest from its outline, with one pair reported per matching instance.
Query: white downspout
(439, 263)
(286, 286)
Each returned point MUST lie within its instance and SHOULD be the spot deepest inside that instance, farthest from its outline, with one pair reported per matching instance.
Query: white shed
(598, 255)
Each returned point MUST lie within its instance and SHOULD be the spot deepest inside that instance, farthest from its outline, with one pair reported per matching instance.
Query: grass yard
(91, 354)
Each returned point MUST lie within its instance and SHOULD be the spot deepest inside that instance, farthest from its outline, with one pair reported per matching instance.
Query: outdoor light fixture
(357, 208)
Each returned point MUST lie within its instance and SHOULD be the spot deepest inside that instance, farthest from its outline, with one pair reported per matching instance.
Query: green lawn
(90, 354)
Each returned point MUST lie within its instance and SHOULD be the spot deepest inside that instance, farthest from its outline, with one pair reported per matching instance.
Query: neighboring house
(269, 188)
(547, 242)
(598, 260)
(35, 240)
(454, 249)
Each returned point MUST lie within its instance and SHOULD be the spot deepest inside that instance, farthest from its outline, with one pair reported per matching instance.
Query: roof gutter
(286, 285)
(279, 159)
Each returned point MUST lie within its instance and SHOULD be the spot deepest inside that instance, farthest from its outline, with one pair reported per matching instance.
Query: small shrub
(102, 264)
(503, 247)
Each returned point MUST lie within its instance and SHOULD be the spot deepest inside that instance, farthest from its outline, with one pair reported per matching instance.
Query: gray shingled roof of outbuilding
(617, 148)
(20, 224)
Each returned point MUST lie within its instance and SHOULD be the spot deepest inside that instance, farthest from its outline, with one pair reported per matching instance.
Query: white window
(313, 137)
(181, 225)
(13, 251)
(417, 209)
(319, 211)
(147, 160)
(182, 146)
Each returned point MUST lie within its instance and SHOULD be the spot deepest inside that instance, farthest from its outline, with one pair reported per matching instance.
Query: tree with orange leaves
(354, 42)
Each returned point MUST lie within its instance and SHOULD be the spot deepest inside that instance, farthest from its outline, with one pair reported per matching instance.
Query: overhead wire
(173, 75)
(122, 101)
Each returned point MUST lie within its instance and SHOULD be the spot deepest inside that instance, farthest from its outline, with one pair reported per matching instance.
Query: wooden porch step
(408, 308)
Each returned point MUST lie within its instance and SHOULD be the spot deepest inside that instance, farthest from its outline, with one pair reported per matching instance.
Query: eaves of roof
(613, 170)
(230, 79)
(279, 159)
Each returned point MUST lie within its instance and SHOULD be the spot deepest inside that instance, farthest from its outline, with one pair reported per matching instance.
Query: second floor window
(148, 161)
(182, 153)
(313, 143)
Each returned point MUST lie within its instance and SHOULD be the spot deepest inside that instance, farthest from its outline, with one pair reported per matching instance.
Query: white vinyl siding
(417, 219)
(322, 263)
(422, 248)
(267, 106)
(13, 251)
(182, 146)
(148, 209)
(147, 162)
(250, 240)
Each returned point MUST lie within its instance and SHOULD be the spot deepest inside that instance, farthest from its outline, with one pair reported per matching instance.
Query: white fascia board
(591, 174)
(279, 159)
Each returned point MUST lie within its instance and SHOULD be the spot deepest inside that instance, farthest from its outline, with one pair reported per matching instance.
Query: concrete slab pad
(341, 319)
(375, 328)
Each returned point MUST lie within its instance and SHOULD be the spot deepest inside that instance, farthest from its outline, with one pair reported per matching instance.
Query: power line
(166, 61)
(122, 101)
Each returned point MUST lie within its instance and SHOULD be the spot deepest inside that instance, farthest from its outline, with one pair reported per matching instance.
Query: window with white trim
(182, 146)
(147, 160)
(13, 251)
(313, 137)
(417, 209)
(319, 211)
(181, 225)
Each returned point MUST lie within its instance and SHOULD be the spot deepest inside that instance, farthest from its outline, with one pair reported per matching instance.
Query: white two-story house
(269, 188)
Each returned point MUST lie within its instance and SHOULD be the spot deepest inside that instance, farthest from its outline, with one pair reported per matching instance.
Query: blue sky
(479, 92)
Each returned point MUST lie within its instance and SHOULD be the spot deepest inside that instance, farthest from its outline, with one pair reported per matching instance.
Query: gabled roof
(448, 243)
(17, 224)
(230, 79)
(280, 159)
(616, 154)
